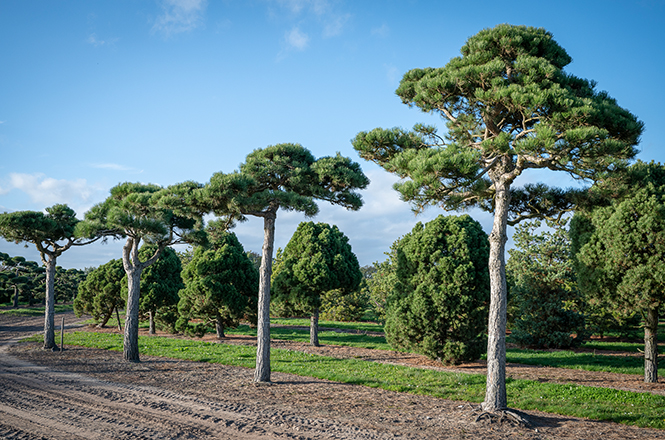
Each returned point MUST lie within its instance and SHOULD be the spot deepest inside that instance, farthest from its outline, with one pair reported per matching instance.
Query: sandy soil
(93, 394)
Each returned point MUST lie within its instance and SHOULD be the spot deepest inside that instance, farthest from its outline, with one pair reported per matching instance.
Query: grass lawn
(37, 310)
(558, 359)
(641, 409)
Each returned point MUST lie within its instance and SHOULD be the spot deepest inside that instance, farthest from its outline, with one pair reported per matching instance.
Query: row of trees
(508, 105)
(285, 176)
(22, 280)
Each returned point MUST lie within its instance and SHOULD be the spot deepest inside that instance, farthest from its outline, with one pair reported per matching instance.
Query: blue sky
(94, 93)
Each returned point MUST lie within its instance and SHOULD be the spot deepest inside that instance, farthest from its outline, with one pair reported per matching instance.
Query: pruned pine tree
(620, 252)
(52, 233)
(99, 295)
(143, 212)
(221, 287)
(509, 106)
(317, 259)
(285, 176)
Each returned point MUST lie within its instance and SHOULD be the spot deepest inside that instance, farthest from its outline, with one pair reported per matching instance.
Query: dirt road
(92, 394)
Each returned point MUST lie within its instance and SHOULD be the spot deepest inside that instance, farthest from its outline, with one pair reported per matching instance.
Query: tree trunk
(105, 319)
(262, 372)
(314, 329)
(219, 326)
(495, 393)
(151, 314)
(15, 296)
(131, 339)
(651, 346)
(49, 309)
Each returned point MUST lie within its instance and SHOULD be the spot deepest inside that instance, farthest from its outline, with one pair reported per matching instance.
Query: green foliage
(43, 230)
(67, 282)
(543, 289)
(317, 259)
(439, 303)
(221, 286)
(381, 280)
(337, 306)
(623, 259)
(17, 275)
(286, 176)
(100, 294)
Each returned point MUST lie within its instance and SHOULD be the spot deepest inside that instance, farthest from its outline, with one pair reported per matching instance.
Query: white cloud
(335, 25)
(115, 167)
(381, 31)
(92, 39)
(297, 39)
(47, 191)
(179, 16)
(2, 122)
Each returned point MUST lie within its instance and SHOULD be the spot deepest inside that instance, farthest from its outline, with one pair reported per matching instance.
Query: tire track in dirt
(40, 402)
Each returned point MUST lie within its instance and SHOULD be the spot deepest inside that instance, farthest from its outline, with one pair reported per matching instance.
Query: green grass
(359, 326)
(325, 337)
(629, 347)
(641, 409)
(577, 361)
(37, 311)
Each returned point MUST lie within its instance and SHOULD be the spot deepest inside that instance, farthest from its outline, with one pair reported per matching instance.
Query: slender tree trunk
(131, 339)
(495, 393)
(49, 309)
(15, 296)
(117, 317)
(151, 314)
(219, 326)
(262, 372)
(651, 346)
(314, 328)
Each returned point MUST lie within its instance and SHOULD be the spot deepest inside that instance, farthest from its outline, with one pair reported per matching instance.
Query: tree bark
(49, 309)
(151, 330)
(651, 346)
(262, 372)
(495, 393)
(219, 326)
(131, 339)
(15, 296)
(314, 329)
(133, 271)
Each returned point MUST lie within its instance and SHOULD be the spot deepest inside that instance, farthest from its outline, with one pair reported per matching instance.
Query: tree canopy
(317, 259)
(508, 106)
(285, 176)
